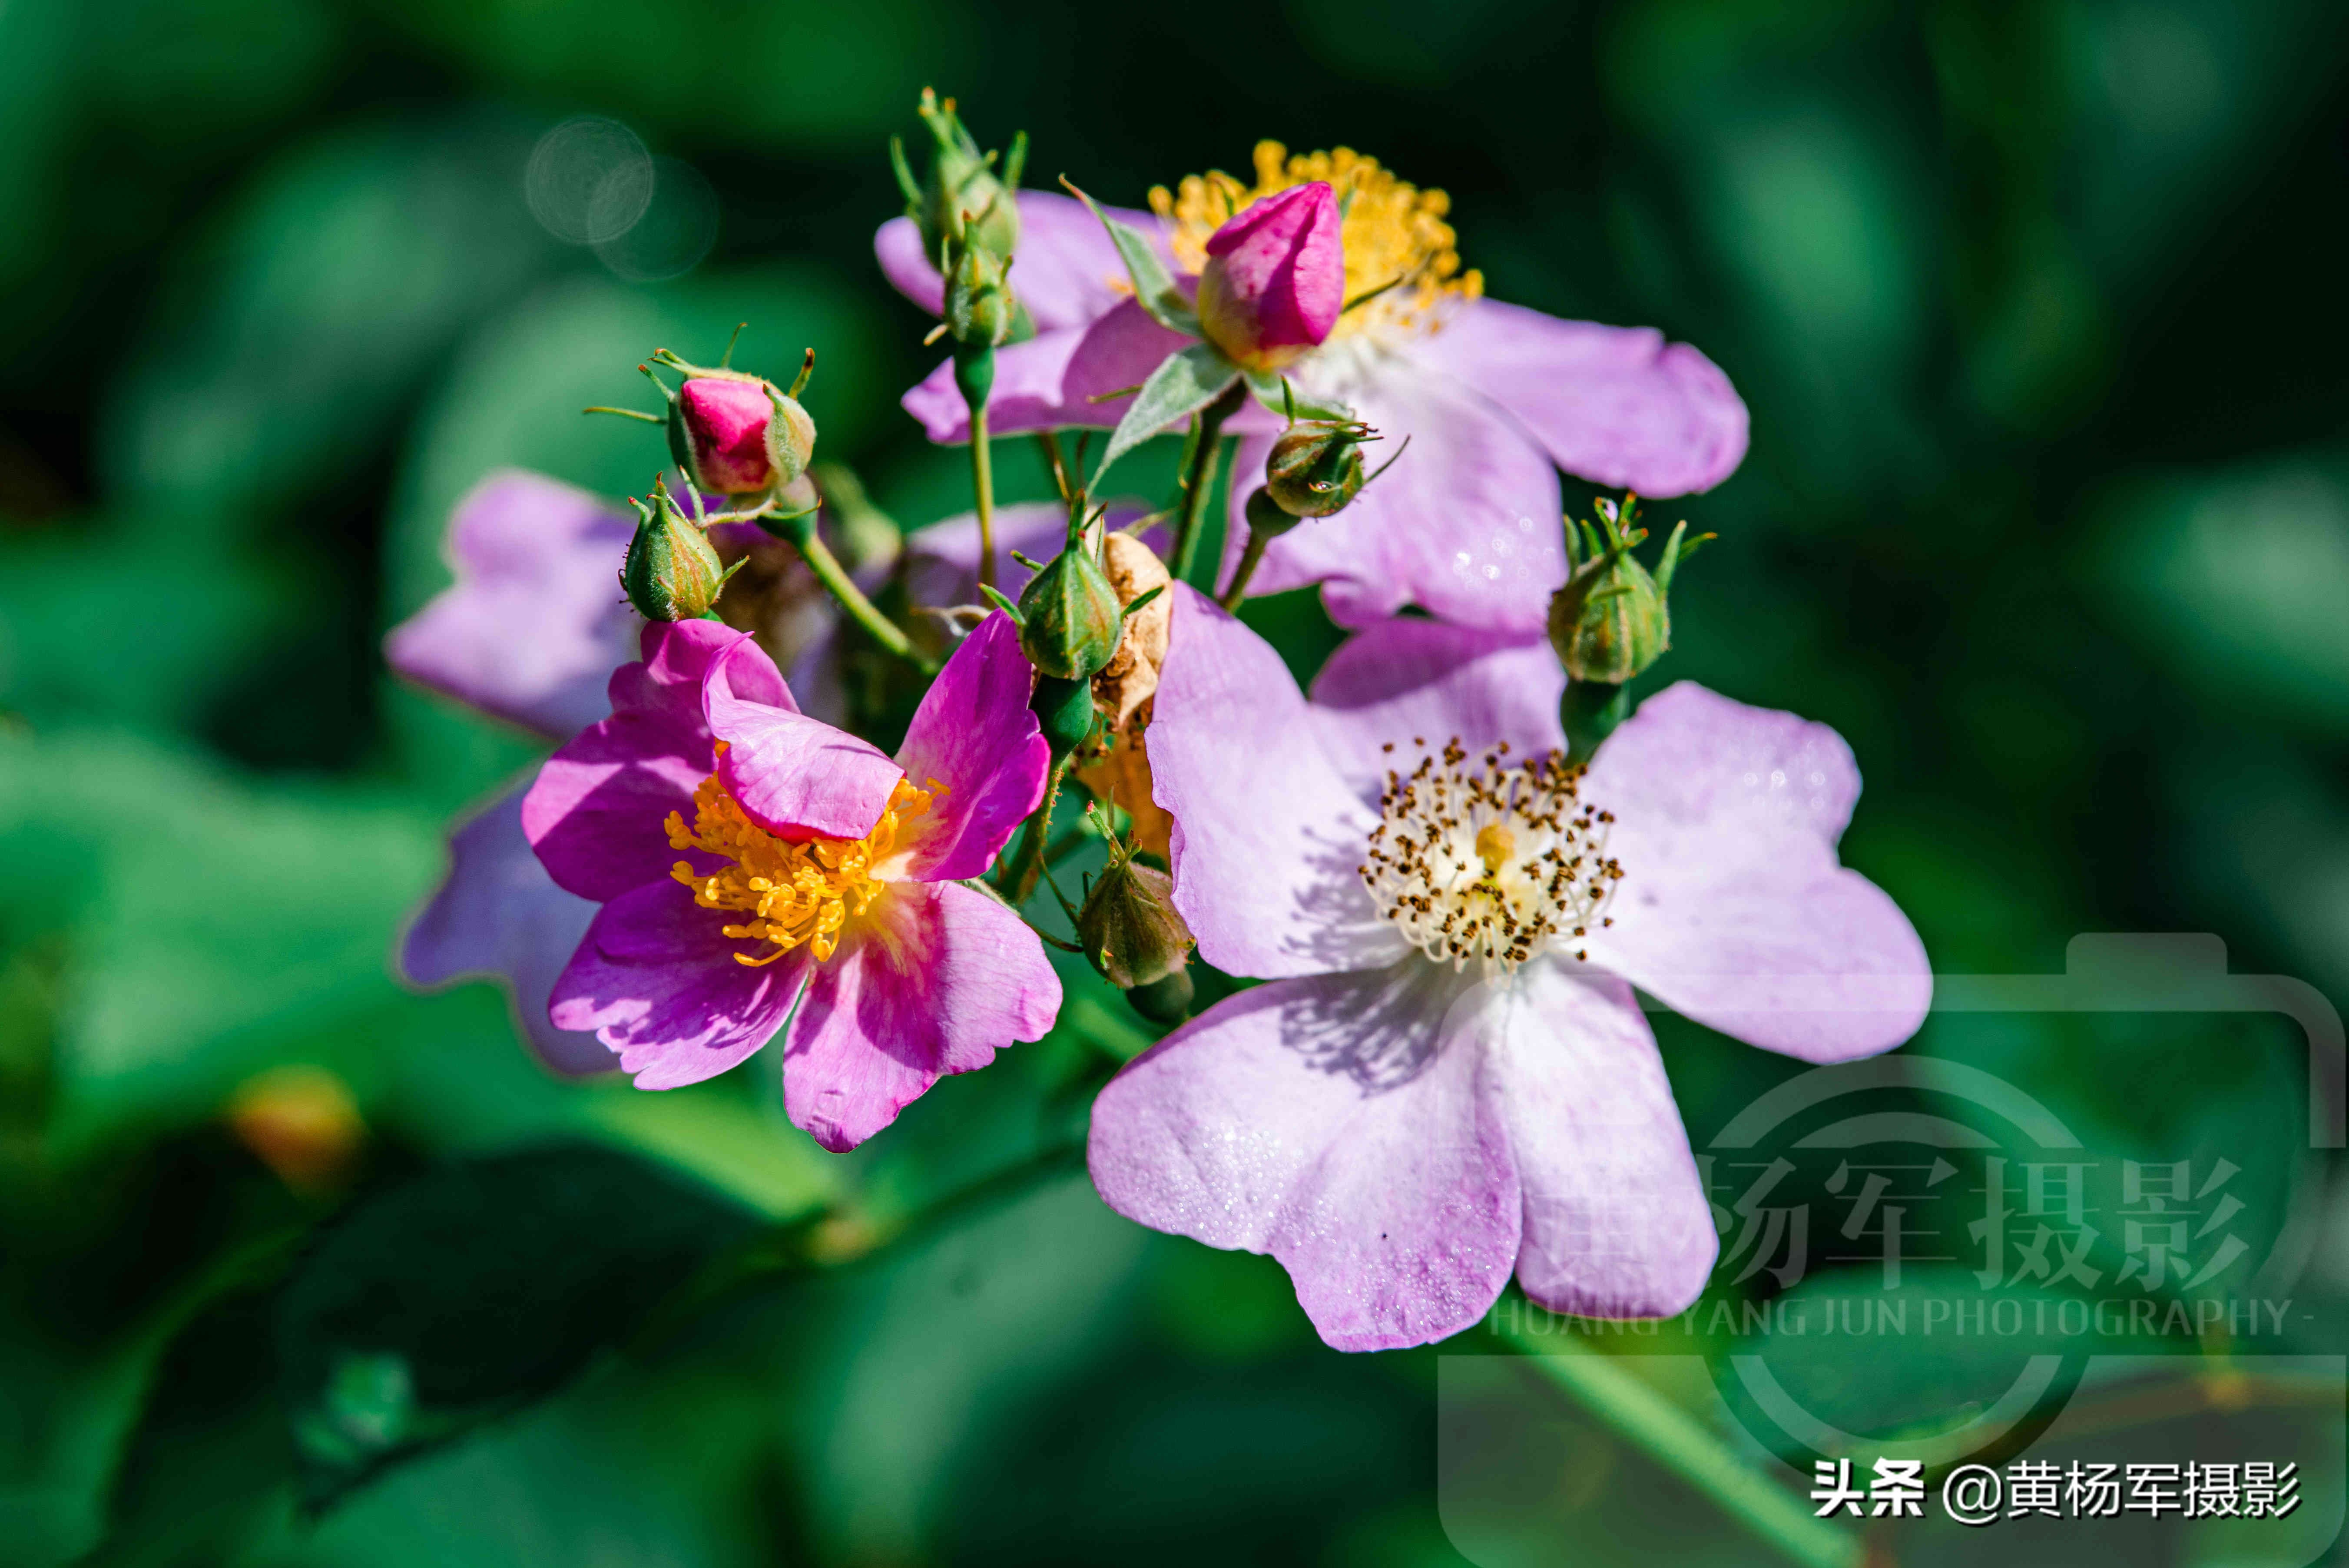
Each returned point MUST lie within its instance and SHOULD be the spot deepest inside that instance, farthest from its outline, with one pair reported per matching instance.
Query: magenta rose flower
(1494, 397)
(754, 865)
(1274, 278)
(1448, 1078)
(530, 632)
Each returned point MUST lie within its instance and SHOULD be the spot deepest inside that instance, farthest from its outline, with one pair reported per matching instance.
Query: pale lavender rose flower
(1494, 397)
(755, 866)
(1403, 1131)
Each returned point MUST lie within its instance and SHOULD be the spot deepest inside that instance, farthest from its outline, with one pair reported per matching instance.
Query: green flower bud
(671, 572)
(960, 191)
(980, 308)
(1316, 466)
(1128, 924)
(1070, 618)
(1611, 621)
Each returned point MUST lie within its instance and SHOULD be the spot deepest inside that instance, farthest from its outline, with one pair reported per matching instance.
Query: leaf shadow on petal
(1379, 1027)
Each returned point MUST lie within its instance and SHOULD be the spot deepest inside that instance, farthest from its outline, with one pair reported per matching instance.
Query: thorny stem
(1019, 878)
(1199, 480)
(1249, 557)
(800, 533)
(1677, 1441)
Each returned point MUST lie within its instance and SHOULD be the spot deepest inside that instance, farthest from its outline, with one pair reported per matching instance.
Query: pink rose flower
(755, 864)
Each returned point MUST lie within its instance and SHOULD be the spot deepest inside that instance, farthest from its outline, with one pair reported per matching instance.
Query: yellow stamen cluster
(791, 892)
(1395, 236)
(1492, 860)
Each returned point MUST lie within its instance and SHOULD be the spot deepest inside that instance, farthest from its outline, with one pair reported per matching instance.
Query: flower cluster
(1395, 926)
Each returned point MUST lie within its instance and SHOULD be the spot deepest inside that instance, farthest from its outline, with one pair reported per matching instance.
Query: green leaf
(1275, 392)
(1155, 289)
(472, 1290)
(1184, 383)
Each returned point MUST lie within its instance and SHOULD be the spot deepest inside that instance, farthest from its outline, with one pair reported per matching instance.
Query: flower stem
(1588, 713)
(1677, 1441)
(801, 535)
(1018, 879)
(974, 375)
(1249, 557)
(1199, 479)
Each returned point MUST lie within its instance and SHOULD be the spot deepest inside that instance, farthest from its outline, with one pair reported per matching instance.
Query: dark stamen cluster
(1489, 859)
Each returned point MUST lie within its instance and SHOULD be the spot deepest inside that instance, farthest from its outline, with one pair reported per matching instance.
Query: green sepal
(995, 596)
(1185, 383)
(1155, 289)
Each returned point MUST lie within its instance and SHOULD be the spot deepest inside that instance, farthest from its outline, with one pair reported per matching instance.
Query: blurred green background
(2039, 311)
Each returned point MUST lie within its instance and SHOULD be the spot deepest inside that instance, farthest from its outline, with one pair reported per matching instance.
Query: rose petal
(1464, 525)
(797, 777)
(533, 625)
(935, 979)
(597, 812)
(1068, 271)
(1734, 908)
(1616, 1220)
(1616, 405)
(498, 913)
(1343, 1124)
(1267, 833)
(974, 734)
(657, 980)
(1398, 680)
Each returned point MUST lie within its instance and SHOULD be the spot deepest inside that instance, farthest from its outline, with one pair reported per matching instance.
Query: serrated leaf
(1155, 289)
(1184, 383)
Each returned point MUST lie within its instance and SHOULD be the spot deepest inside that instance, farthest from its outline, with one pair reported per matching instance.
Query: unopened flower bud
(1316, 466)
(1128, 924)
(1276, 277)
(672, 572)
(1130, 677)
(1610, 620)
(1070, 617)
(961, 192)
(735, 434)
(980, 308)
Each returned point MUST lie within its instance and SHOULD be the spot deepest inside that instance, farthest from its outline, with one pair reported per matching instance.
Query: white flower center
(1489, 860)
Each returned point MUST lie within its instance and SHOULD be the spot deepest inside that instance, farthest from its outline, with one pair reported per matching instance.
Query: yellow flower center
(789, 892)
(1396, 240)
(1489, 861)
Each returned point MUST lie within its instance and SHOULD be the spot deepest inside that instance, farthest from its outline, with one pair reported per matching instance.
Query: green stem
(1677, 1441)
(1019, 878)
(974, 375)
(1588, 713)
(800, 532)
(1249, 557)
(982, 482)
(1199, 481)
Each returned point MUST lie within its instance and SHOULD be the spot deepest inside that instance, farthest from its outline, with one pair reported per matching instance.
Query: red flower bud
(1276, 277)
